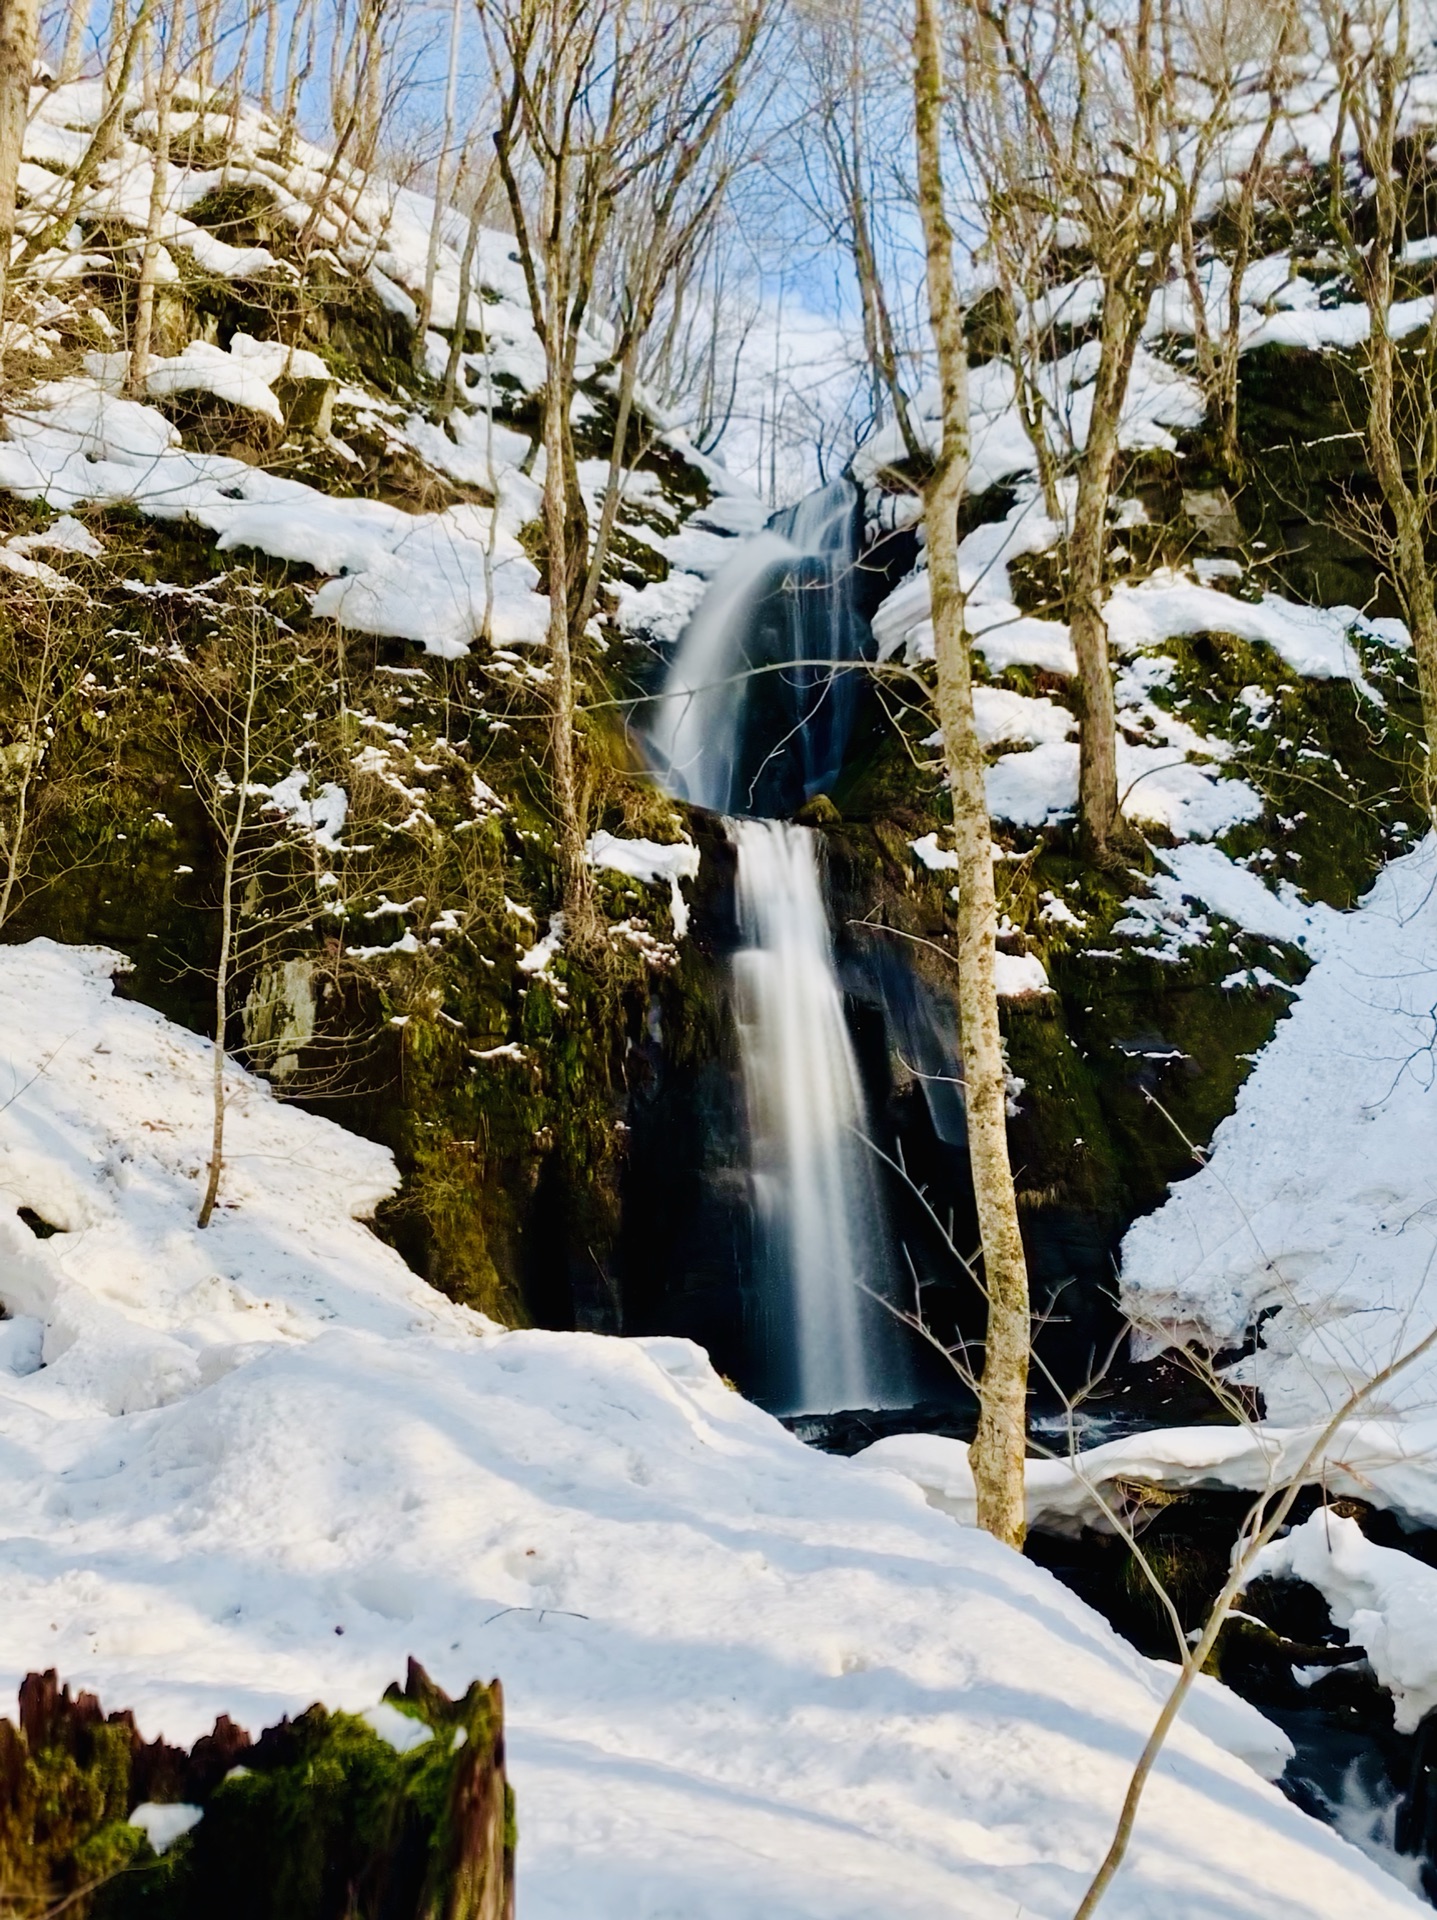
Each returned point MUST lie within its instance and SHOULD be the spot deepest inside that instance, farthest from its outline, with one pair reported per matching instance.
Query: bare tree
(860, 112)
(606, 104)
(170, 26)
(127, 43)
(442, 182)
(1088, 111)
(233, 718)
(1371, 49)
(1234, 53)
(73, 56)
(999, 1445)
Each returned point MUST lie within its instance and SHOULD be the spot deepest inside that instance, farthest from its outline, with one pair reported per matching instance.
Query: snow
(163, 1824)
(1316, 330)
(434, 578)
(1159, 400)
(242, 376)
(742, 1677)
(1314, 641)
(1235, 892)
(1384, 1461)
(1386, 1600)
(438, 579)
(401, 1730)
(322, 817)
(1005, 718)
(1316, 1199)
(663, 608)
(1005, 636)
(649, 861)
(937, 859)
(64, 534)
(1156, 785)
(1019, 976)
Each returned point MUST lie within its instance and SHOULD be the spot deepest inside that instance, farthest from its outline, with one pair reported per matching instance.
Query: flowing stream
(748, 725)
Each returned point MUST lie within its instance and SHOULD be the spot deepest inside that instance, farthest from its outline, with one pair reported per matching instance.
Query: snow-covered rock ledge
(264, 1464)
(1389, 1463)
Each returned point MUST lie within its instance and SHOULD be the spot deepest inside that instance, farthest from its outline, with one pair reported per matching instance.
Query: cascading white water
(819, 1210)
(786, 596)
(694, 734)
(727, 740)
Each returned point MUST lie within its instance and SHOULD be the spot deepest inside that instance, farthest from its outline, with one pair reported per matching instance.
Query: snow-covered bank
(1387, 1602)
(744, 1678)
(1317, 1203)
(1387, 1462)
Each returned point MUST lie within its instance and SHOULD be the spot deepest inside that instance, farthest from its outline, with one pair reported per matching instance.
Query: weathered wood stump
(318, 1819)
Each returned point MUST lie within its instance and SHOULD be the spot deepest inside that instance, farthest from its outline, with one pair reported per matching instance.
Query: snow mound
(1158, 786)
(263, 1464)
(104, 1138)
(1318, 1200)
(1386, 1600)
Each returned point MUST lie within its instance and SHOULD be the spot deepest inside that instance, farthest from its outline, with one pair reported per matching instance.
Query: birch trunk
(1103, 828)
(999, 1446)
(72, 59)
(575, 881)
(159, 190)
(431, 257)
(461, 316)
(19, 26)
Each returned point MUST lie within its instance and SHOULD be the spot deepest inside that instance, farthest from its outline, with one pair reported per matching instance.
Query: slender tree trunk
(217, 1083)
(1103, 828)
(296, 73)
(1025, 351)
(208, 14)
(221, 1008)
(609, 512)
(19, 26)
(1411, 566)
(461, 316)
(999, 1446)
(370, 95)
(234, 835)
(575, 881)
(115, 45)
(431, 257)
(271, 55)
(15, 838)
(1376, 118)
(159, 191)
(1230, 350)
(72, 59)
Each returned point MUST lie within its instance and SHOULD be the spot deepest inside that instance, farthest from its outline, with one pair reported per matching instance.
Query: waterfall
(742, 725)
(822, 1243)
(746, 727)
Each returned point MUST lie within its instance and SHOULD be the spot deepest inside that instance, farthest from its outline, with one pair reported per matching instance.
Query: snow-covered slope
(264, 1464)
(440, 578)
(1318, 1199)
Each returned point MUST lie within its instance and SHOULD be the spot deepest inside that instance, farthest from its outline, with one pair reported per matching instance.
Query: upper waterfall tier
(753, 717)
